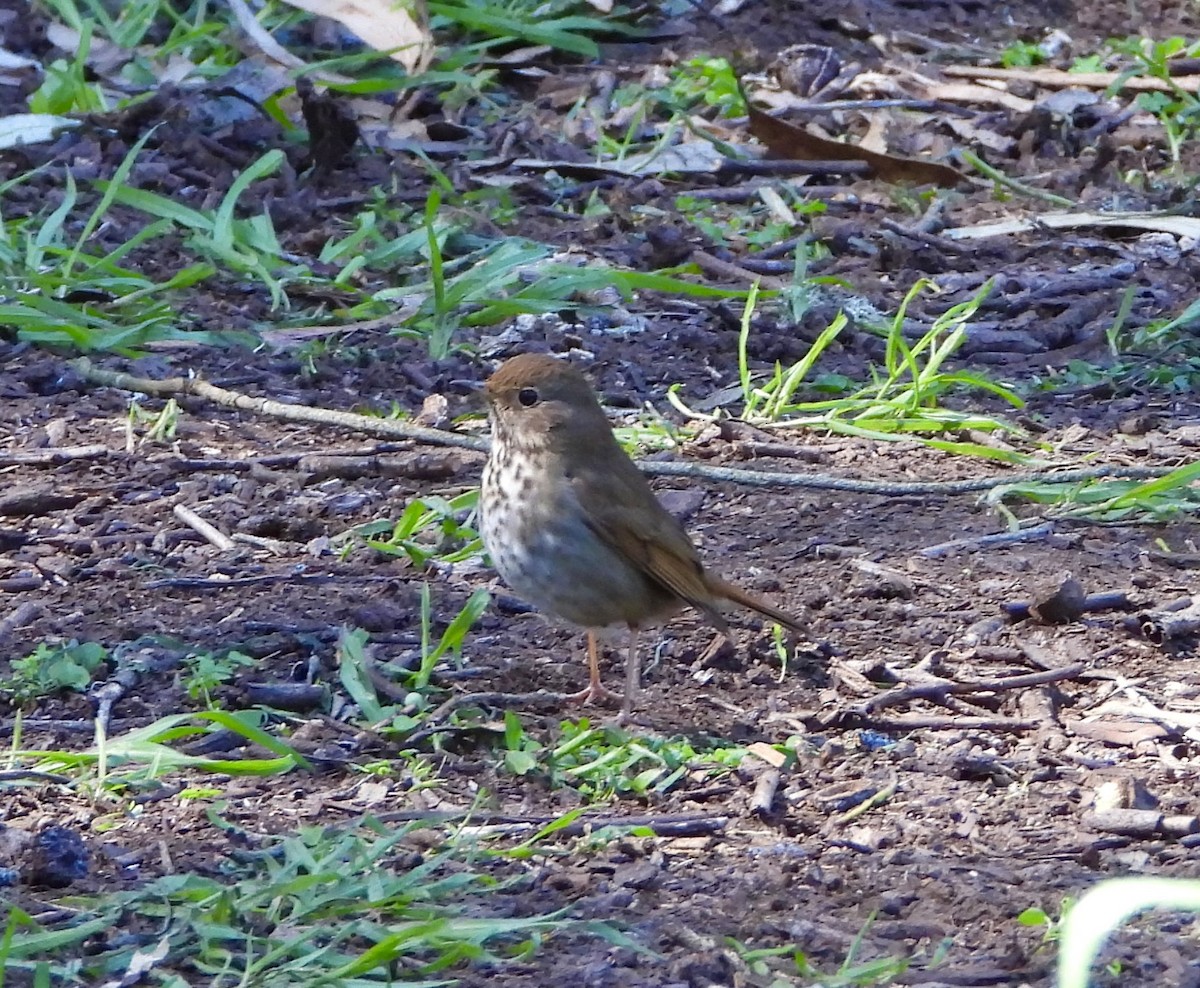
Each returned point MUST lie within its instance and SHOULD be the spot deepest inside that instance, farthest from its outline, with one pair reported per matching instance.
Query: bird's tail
(740, 596)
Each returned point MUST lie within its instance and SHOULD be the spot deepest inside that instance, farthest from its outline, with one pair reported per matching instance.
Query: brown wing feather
(631, 520)
(623, 511)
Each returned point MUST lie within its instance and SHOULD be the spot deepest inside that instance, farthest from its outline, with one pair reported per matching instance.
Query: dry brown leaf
(385, 25)
(984, 137)
(785, 140)
(875, 139)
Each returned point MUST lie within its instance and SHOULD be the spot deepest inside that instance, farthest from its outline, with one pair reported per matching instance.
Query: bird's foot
(621, 720)
(595, 693)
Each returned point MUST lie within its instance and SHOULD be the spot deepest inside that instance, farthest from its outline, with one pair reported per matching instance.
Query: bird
(572, 525)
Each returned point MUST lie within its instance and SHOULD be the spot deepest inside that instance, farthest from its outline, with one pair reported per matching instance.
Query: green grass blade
(120, 176)
(160, 206)
(223, 228)
(1185, 476)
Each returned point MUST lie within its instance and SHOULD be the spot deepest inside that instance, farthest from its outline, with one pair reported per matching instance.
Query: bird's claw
(595, 693)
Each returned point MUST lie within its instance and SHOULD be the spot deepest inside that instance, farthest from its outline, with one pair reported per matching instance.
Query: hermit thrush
(572, 525)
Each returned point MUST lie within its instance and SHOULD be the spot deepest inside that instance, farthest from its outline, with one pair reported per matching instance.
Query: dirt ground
(990, 792)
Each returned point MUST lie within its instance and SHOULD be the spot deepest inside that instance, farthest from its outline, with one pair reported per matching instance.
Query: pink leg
(595, 691)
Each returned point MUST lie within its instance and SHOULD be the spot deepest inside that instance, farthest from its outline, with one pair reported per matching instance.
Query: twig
(1109, 600)
(1074, 80)
(105, 696)
(915, 722)
(413, 464)
(735, 272)
(882, 796)
(213, 583)
(1180, 560)
(56, 725)
(939, 689)
(264, 406)
(822, 482)
(210, 533)
(1140, 823)
(294, 697)
(997, 176)
(1159, 626)
(878, 104)
(276, 546)
(764, 792)
(989, 541)
(53, 457)
(22, 615)
(791, 166)
(259, 35)
(754, 448)
(31, 775)
(273, 49)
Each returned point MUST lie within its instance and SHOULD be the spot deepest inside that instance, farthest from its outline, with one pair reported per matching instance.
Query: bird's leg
(633, 675)
(595, 691)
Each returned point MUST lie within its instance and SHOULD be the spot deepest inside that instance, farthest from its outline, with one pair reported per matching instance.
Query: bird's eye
(527, 397)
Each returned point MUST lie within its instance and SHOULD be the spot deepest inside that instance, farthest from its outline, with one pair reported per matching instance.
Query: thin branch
(752, 478)
(265, 406)
(1036, 534)
(939, 689)
(54, 456)
(207, 531)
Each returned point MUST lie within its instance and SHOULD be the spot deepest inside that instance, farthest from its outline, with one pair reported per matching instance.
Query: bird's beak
(475, 401)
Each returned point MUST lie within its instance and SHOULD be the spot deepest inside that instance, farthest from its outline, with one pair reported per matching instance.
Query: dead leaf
(385, 25)
(262, 37)
(774, 758)
(689, 158)
(104, 57)
(785, 140)
(983, 137)
(31, 128)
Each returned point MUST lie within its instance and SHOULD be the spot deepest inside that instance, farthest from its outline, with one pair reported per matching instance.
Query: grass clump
(146, 755)
(363, 906)
(903, 399)
(601, 762)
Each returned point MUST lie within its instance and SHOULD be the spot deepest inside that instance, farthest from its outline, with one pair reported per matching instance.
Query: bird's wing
(630, 519)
